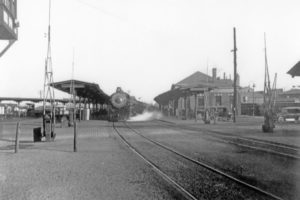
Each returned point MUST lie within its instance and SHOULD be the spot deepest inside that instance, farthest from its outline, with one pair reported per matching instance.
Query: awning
(165, 97)
(295, 71)
(91, 91)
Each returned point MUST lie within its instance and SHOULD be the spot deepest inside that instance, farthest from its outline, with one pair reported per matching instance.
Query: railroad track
(246, 142)
(167, 178)
(192, 160)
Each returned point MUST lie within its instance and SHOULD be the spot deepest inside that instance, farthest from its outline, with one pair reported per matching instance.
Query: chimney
(214, 73)
(224, 76)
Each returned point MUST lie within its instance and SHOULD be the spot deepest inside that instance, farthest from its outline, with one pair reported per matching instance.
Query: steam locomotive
(123, 106)
(120, 106)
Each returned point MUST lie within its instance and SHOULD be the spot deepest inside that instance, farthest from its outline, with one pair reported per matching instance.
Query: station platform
(102, 168)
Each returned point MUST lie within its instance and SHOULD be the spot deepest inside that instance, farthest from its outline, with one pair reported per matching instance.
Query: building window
(218, 100)
(5, 17)
(10, 22)
(201, 101)
(231, 100)
(181, 103)
(245, 99)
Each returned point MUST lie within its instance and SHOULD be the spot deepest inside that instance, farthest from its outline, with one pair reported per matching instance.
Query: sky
(145, 46)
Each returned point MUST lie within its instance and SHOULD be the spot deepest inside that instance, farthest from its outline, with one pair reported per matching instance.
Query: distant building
(288, 99)
(252, 102)
(12, 110)
(292, 95)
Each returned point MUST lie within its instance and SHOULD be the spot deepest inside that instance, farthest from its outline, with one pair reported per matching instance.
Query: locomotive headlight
(119, 100)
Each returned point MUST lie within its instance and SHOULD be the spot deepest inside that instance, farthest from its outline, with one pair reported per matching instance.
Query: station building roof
(198, 82)
(199, 78)
(90, 91)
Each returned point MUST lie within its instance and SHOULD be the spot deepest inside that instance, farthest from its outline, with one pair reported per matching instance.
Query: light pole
(253, 100)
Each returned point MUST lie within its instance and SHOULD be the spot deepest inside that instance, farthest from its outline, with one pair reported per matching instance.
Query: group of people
(213, 115)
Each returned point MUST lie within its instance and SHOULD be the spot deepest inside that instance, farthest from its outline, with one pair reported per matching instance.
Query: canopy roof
(20, 99)
(164, 98)
(91, 91)
(295, 71)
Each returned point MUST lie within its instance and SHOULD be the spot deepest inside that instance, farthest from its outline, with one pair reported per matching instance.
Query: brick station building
(192, 96)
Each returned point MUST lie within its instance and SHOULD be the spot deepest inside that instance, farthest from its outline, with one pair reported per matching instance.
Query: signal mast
(48, 91)
(269, 97)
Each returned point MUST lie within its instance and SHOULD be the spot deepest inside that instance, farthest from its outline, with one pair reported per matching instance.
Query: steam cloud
(146, 116)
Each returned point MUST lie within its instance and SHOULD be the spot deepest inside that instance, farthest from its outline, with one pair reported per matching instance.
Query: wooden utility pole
(234, 75)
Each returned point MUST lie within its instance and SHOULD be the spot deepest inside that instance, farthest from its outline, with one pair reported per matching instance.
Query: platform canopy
(90, 91)
(182, 91)
(295, 71)
(35, 100)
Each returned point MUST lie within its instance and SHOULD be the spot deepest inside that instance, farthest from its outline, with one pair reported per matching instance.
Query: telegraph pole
(234, 75)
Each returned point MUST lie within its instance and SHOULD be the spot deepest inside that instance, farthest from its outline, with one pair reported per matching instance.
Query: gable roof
(195, 78)
(199, 78)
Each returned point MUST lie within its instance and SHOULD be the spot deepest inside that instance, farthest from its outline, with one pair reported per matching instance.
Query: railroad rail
(251, 143)
(167, 178)
(206, 166)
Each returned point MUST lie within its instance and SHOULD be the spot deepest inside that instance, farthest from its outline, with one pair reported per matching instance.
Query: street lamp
(253, 99)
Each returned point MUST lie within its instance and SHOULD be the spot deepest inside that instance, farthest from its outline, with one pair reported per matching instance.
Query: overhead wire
(119, 18)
